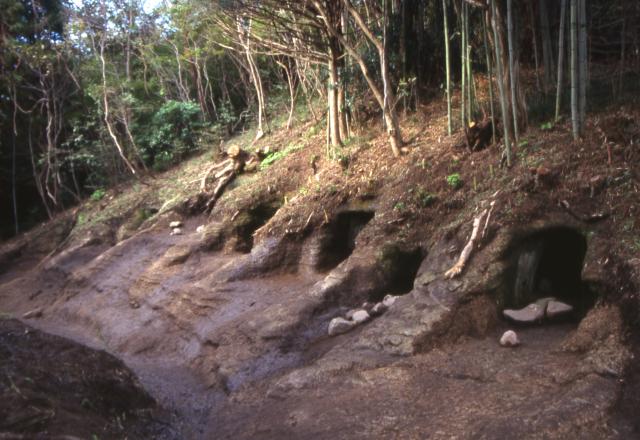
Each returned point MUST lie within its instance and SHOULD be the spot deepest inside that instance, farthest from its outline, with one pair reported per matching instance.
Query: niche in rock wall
(399, 267)
(339, 238)
(250, 221)
(548, 263)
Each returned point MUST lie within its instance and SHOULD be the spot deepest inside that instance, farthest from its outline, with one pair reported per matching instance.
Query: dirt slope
(226, 325)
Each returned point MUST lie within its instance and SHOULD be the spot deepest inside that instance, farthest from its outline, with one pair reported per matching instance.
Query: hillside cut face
(248, 337)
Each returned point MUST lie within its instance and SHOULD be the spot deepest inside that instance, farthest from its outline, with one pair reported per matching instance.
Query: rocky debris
(176, 231)
(389, 300)
(557, 308)
(175, 224)
(200, 229)
(509, 339)
(367, 306)
(337, 326)
(378, 309)
(360, 316)
(35, 313)
(543, 308)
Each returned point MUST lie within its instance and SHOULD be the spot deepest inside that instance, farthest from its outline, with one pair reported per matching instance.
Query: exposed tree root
(485, 214)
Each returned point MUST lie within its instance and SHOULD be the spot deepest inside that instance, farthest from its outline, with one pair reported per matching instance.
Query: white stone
(350, 313)
(200, 228)
(379, 309)
(389, 300)
(557, 308)
(509, 339)
(176, 231)
(529, 314)
(175, 224)
(360, 316)
(338, 326)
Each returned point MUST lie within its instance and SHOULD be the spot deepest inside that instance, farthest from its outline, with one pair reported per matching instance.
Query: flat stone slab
(557, 308)
(528, 315)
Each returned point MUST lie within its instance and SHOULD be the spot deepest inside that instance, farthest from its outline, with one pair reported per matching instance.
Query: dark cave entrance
(400, 267)
(339, 238)
(548, 263)
(248, 223)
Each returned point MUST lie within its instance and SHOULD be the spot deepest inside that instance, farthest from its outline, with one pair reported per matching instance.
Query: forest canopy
(98, 92)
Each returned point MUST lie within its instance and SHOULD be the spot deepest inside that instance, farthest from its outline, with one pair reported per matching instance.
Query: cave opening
(548, 264)
(339, 238)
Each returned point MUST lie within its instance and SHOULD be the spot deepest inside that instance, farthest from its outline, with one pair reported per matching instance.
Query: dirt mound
(51, 387)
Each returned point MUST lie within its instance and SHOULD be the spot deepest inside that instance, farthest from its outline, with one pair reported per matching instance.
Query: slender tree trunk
(470, 82)
(503, 95)
(583, 62)
(535, 42)
(14, 197)
(561, 39)
(332, 93)
(386, 100)
(623, 41)
(447, 64)
(512, 71)
(575, 115)
(107, 121)
(547, 51)
(342, 81)
(489, 78)
(463, 66)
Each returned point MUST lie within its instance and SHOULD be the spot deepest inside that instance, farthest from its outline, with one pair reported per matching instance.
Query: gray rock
(175, 224)
(200, 229)
(338, 326)
(349, 314)
(509, 339)
(360, 316)
(530, 314)
(176, 231)
(367, 306)
(557, 308)
(389, 300)
(378, 309)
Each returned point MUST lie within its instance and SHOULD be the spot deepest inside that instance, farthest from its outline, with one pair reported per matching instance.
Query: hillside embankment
(220, 329)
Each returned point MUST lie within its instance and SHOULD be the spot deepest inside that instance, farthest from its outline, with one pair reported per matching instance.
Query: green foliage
(547, 126)
(98, 194)
(454, 180)
(277, 155)
(424, 198)
(171, 134)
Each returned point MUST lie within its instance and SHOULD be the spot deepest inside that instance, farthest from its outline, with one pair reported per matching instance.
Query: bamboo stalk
(561, 38)
(512, 70)
(448, 65)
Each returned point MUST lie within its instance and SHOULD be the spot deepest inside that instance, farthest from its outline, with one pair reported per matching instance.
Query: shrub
(454, 180)
(171, 134)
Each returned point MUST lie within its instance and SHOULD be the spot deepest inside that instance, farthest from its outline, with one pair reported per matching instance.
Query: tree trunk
(386, 100)
(547, 51)
(583, 62)
(575, 116)
(447, 64)
(489, 78)
(512, 71)
(561, 38)
(332, 93)
(463, 67)
(534, 35)
(503, 96)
